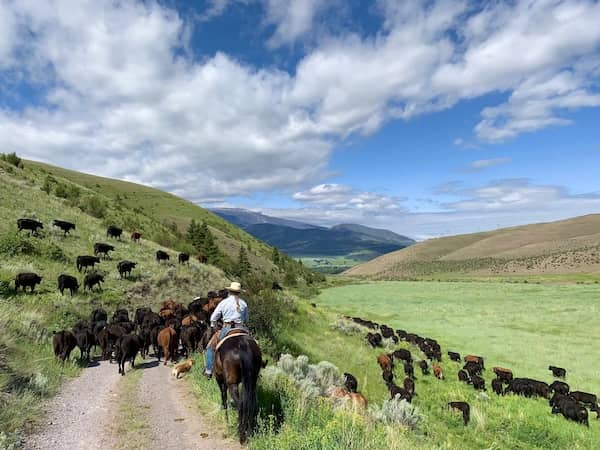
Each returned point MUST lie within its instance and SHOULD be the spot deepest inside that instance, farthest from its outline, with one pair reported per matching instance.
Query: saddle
(232, 333)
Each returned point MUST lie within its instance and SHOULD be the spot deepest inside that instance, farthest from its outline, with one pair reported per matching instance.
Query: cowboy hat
(234, 287)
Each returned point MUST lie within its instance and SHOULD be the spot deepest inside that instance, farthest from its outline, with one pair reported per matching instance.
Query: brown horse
(237, 361)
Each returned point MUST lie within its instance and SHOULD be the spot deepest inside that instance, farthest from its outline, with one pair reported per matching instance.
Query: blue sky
(428, 117)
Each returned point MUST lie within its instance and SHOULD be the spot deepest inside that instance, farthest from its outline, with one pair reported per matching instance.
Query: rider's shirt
(228, 311)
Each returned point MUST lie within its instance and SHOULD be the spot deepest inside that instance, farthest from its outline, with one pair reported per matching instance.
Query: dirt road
(146, 409)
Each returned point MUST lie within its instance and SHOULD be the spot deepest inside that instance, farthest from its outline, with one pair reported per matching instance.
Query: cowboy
(234, 313)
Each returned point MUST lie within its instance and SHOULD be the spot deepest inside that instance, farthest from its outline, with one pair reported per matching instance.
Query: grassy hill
(561, 247)
(173, 212)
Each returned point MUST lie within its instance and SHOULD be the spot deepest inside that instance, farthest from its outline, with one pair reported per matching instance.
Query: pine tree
(243, 265)
(209, 246)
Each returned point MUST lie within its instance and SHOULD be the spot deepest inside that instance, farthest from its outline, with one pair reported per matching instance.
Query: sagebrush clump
(396, 411)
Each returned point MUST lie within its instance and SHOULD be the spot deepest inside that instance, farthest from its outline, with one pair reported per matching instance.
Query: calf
(454, 356)
(84, 340)
(387, 375)
(202, 259)
(398, 391)
(127, 347)
(183, 258)
(504, 375)
(125, 268)
(27, 279)
(29, 224)
(93, 279)
(162, 256)
(424, 367)
(100, 247)
(409, 385)
(472, 368)
(409, 369)
(63, 343)
(85, 261)
(65, 226)
(560, 387)
(136, 236)
(114, 232)
(464, 408)
(438, 372)
(478, 382)
(167, 342)
(98, 315)
(67, 282)
(558, 372)
(497, 386)
(350, 382)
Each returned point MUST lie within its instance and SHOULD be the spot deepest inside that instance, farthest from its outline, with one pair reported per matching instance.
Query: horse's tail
(248, 408)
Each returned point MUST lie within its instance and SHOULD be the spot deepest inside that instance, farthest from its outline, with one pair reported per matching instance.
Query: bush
(13, 159)
(94, 206)
(396, 411)
(347, 327)
(55, 253)
(14, 244)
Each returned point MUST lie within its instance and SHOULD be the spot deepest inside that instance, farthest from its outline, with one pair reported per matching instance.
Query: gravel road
(83, 414)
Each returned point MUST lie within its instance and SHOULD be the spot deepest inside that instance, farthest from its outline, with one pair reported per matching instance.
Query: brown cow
(475, 359)
(437, 371)
(503, 374)
(167, 341)
(201, 258)
(136, 236)
(385, 362)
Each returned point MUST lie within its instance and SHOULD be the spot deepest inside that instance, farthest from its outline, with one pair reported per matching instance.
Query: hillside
(163, 208)
(566, 246)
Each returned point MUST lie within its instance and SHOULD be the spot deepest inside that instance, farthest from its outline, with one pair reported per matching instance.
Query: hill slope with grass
(561, 247)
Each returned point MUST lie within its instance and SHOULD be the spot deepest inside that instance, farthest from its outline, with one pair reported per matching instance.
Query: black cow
(114, 232)
(472, 368)
(126, 348)
(528, 387)
(409, 369)
(190, 337)
(403, 354)
(463, 376)
(560, 387)
(454, 356)
(424, 367)
(140, 313)
(29, 224)
(125, 268)
(558, 372)
(276, 286)
(409, 385)
(100, 247)
(387, 375)
(464, 408)
(25, 279)
(162, 256)
(585, 397)
(497, 386)
(67, 282)
(63, 343)
(120, 315)
(85, 340)
(571, 409)
(86, 261)
(350, 382)
(183, 258)
(98, 315)
(478, 382)
(93, 279)
(401, 392)
(374, 339)
(63, 225)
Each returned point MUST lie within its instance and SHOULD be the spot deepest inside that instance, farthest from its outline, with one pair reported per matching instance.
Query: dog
(183, 367)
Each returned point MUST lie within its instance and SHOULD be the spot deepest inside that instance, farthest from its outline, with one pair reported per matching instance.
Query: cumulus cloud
(121, 97)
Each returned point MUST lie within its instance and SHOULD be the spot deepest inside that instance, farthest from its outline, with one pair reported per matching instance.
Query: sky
(428, 118)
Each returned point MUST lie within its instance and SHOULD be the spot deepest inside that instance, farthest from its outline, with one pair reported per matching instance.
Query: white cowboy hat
(234, 287)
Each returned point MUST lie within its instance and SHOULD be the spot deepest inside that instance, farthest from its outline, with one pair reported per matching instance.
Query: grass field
(524, 327)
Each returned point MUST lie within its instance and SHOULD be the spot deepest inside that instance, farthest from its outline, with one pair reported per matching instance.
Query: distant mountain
(244, 218)
(300, 239)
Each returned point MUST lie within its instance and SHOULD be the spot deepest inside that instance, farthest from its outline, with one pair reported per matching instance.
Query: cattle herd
(93, 279)
(571, 404)
(175, 330)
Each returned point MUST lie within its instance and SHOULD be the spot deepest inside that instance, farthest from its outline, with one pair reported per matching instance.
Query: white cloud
(292, 19)
(123, 99)
(480, 164)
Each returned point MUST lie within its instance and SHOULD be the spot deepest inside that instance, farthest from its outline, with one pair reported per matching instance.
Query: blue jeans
(210, 352)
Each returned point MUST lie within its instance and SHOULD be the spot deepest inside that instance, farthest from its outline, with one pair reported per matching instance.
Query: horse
(239, 360)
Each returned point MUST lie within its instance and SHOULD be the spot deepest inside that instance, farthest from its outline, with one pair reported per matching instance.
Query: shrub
(55, 253)
(13, 244)
(396, 411)
(347, 327)
(94, 206)
(13, 159)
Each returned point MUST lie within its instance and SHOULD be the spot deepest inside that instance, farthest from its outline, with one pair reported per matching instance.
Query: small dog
(182, 368)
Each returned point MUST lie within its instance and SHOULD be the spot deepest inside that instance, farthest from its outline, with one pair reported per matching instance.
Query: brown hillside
(565, 246)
